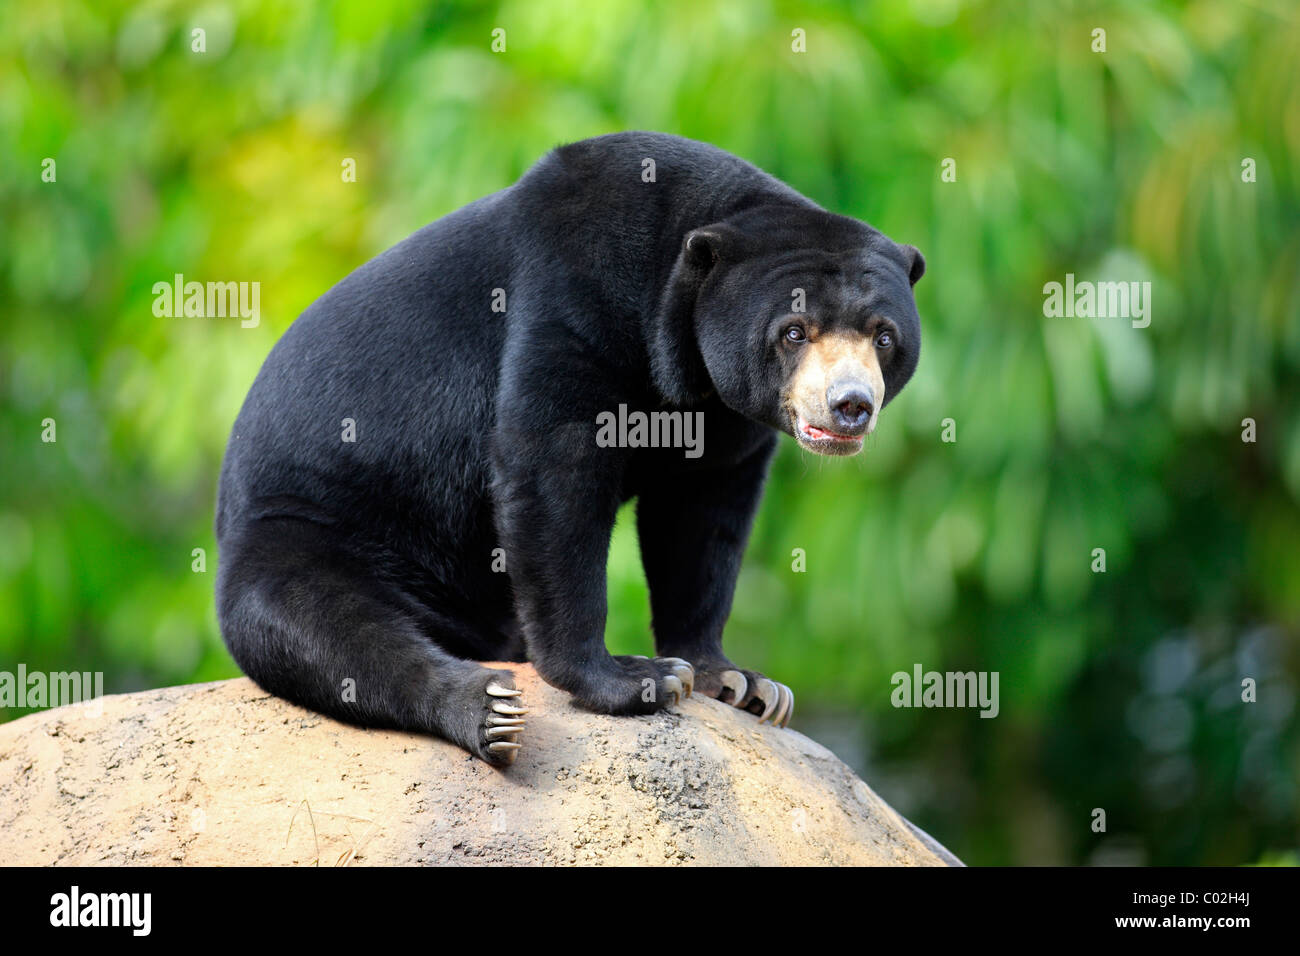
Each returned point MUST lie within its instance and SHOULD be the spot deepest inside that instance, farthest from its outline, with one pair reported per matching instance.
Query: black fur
(373, 561)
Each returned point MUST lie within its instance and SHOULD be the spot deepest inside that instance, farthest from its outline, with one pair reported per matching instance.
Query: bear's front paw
(662, 681)
(630, 685)
(750, 691)
(676, 677)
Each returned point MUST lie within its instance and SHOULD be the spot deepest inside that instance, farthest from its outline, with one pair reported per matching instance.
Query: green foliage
(1119, 690)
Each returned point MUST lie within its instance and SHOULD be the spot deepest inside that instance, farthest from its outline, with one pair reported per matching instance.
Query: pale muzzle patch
(836, 393)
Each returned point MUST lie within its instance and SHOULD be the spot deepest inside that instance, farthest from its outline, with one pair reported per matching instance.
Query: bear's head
(798, 318)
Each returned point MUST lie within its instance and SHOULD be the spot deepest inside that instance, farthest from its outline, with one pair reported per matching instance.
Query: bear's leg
(693, 528)
(556, 496)
(310, 622)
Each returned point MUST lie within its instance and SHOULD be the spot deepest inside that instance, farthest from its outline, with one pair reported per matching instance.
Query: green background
(1119, 690)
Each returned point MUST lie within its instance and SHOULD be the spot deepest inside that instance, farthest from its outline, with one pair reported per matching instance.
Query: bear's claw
(673, 687)
(735, 682)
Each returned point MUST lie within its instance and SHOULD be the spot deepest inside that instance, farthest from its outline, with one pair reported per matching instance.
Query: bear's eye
(795, 333)
(884, 340)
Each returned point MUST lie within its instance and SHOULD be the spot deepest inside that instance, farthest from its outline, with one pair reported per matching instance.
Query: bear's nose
(850, 405)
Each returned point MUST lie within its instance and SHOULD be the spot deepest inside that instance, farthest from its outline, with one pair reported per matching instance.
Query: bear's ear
(703, 247)
(916, 263)
(676, 365)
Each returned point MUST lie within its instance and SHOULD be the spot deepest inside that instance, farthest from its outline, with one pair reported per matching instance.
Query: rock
(226, 774)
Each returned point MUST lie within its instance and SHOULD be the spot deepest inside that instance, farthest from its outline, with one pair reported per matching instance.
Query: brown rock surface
(226, 774)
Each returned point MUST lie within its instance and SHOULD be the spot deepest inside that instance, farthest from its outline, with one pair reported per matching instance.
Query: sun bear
(427, 469)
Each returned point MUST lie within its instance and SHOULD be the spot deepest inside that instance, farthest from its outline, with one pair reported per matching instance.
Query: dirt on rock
(226, 774)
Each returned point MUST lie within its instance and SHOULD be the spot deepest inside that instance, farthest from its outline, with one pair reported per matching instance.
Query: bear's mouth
(824, 441)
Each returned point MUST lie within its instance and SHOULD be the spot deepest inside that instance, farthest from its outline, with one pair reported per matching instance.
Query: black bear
(427, 469)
